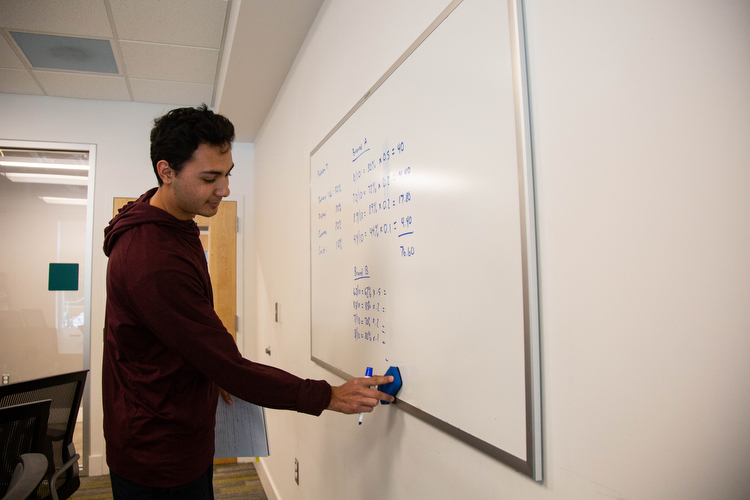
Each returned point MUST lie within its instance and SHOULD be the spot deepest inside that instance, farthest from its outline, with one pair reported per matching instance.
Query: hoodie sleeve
(167, 294)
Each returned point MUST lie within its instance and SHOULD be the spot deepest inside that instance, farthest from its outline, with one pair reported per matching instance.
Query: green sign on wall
(63, 277)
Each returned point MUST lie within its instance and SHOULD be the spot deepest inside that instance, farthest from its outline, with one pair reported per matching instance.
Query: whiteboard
(422, 240)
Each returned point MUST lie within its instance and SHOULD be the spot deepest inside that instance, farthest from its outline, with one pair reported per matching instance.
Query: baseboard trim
(97, 467)
(266, 481)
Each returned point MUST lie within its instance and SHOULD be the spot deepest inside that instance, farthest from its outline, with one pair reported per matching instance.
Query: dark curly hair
(177, 135)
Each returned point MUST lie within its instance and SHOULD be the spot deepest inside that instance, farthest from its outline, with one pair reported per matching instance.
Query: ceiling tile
(8, 58)
(184, 94)
(192, 23)
(154, 61)
(18, 81)
(71, 17)
(83, 86)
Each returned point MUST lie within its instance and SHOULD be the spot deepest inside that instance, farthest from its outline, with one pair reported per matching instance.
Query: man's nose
(222, 189)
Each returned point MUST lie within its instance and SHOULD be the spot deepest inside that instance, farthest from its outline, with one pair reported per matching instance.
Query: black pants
(200, 489)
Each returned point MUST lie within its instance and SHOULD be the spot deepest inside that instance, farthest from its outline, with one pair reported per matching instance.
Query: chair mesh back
(22, 430)
(62, 397)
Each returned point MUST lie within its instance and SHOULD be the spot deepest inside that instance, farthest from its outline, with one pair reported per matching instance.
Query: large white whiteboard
(423, 252)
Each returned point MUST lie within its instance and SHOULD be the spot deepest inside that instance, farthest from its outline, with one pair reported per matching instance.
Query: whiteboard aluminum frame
(533, 465)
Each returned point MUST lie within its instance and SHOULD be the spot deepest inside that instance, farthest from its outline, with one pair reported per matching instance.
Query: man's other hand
(225, 396)
(356, 396)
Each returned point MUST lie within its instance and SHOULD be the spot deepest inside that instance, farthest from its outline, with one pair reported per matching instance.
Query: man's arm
(356, 396)
(352, 397)
(170, 301)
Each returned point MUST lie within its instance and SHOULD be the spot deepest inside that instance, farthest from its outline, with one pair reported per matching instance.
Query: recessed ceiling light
(67, 52)
(74, 180)
(63, 201)
(67, 166)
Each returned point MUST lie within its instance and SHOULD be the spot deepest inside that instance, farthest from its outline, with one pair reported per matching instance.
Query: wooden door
(219, 240)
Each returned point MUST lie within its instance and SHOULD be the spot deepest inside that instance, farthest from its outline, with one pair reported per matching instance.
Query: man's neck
(160, 200)
(156, 200)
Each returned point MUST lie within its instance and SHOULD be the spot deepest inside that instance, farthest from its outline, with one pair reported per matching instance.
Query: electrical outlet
(6, 378)
(296, 471)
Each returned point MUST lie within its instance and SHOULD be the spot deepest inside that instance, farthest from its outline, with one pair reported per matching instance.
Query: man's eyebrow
(216, 172)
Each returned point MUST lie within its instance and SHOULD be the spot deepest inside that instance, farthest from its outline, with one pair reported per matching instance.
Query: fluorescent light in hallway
(66, 166)
(74, 180)
(63, 201)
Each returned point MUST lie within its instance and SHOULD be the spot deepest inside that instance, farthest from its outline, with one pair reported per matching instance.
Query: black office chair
(66, 392)
(23, 431)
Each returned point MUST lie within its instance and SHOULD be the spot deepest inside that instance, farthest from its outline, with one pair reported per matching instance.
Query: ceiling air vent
(66, 52)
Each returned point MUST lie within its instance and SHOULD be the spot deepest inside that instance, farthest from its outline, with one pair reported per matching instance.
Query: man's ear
(165, 171)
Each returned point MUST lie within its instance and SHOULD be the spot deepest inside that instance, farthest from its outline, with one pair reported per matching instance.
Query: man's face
(202, 183)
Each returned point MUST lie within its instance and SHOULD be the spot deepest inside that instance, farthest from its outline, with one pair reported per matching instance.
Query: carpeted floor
(231, 481)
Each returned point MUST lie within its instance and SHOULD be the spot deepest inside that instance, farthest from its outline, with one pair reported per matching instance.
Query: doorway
(218, 235)
(46, 202)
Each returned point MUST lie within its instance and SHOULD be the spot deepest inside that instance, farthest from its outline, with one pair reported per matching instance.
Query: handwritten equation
(369, 307)
(371, 198)
(363, 209)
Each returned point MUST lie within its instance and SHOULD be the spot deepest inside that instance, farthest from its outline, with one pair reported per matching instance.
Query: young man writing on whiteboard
(166, 352)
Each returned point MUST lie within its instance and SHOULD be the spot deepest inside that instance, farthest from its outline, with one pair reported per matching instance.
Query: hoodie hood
(139, 212)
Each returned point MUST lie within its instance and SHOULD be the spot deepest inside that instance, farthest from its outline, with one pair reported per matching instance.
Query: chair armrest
(62, 470)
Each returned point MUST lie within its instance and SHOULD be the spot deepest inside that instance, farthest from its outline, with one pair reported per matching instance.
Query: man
(166, 352)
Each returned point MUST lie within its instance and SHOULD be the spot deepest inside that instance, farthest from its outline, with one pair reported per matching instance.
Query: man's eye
(209, 181)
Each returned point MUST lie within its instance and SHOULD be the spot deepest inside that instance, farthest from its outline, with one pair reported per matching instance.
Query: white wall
(123, 169)
(35, 234)
(640, 124)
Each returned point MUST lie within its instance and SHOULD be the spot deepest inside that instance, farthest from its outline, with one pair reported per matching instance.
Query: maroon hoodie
(166, 351)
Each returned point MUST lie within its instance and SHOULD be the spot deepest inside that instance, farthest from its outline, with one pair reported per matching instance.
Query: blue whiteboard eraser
(392, 388)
